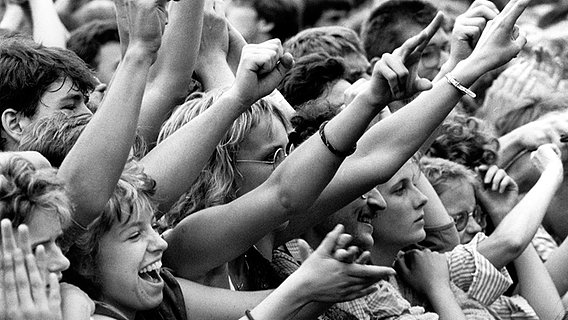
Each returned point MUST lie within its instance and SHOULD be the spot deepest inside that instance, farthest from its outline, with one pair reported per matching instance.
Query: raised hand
(23, 290)
(395, 75)
(424, 270)
(501, 40)
(333, 273)
(468, 28)
(261, 68)
(146, 22)
(497, 194)
(215, 34)
(547, 159)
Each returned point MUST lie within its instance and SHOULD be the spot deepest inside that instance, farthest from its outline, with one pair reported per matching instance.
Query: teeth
(154, 266)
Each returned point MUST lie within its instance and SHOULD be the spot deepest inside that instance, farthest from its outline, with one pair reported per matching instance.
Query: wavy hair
(132, 196)
(25, 192)
(217, 183)
(467, 141)
(439, 171)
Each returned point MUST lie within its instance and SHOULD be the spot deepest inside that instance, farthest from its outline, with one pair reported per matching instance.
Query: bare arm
(170, 75)
(390, 143)
(535, 285)
(47, 27)
(94, 164)
(518, 227)
(13, 16)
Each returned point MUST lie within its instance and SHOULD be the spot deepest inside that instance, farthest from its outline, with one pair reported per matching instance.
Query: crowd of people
(283, 159)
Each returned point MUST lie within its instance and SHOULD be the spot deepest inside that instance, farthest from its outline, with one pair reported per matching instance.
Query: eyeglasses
(277, 159)
(461, 218)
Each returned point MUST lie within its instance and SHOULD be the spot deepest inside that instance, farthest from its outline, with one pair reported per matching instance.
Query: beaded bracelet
(332, 148)
(249, 316)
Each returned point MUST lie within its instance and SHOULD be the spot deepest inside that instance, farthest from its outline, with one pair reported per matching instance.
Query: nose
(57, 261)
(158, 243)
(472, 226)
(375, 200)
(420, 199)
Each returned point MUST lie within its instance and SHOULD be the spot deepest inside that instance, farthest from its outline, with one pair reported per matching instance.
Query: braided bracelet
(249, 316)
(332, 148)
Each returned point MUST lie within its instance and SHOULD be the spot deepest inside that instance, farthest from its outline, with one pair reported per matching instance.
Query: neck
(384, 255)
(126, 313)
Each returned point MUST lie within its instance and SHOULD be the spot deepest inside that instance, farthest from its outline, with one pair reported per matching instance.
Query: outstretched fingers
(418, 42)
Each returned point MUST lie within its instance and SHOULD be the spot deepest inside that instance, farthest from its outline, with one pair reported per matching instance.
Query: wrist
(467, 72)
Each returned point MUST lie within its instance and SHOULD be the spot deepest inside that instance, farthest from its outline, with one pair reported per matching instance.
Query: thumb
(329, 242)
(422, 84)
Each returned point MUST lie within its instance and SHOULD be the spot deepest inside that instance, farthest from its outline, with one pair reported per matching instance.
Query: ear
(264, 26)
(13, 124)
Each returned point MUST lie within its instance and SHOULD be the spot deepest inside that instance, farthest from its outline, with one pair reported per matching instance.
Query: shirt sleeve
(473, 273)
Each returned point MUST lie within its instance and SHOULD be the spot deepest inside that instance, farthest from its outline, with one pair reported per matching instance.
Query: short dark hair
(384, 29)
(334, 40)
(87, 40)
(310, 77)
(313, 9)
(27, 69)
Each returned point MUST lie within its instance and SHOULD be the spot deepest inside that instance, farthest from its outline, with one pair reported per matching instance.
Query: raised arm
(219, 234)
(94, 164)
(391, 142)
(517, 228)
(177, 161)
(170, 76)
(47, 28)
(13, 15)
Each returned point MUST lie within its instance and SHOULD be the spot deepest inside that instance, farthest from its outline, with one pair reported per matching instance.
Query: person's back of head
(91, 11)
(335, 41)
(319, 13)
(310, 77)
(466, 140)
(28, 70)
(89, 41)
(26, 192)
(393, 22)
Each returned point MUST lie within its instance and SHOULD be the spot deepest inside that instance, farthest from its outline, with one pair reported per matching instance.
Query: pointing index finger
(513, 10)
(420, 40)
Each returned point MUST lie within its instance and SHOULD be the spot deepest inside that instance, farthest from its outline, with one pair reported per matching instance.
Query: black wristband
(332, 148)
(249, 316)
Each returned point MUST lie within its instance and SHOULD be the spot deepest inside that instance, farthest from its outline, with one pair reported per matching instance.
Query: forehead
(270, 131)
(457, 195)
(43, 226)
(407, 172)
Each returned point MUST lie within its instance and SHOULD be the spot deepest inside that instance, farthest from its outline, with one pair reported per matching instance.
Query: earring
(364, 197)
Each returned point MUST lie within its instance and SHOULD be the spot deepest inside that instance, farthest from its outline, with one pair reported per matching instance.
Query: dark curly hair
(308, 119)
(467, 141)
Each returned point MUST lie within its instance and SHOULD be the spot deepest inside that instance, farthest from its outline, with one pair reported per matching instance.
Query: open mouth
(365, 216)
(151, 273)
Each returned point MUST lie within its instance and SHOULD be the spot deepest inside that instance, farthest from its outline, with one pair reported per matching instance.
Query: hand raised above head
(501, 40)
(547, 157)
(395, 75)
(260, 70)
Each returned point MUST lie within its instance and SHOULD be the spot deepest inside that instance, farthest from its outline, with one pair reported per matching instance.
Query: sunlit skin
(107, 61)
(458, 196)
(61, 96)
(45, 229)
(402, 222)
(124, 251)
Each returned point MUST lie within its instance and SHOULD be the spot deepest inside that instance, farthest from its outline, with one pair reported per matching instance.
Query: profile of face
(402, 222)
(257, 153)
(61, 96)
(45, 229)
(128, 264)
(357, 218)
(458, 196)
